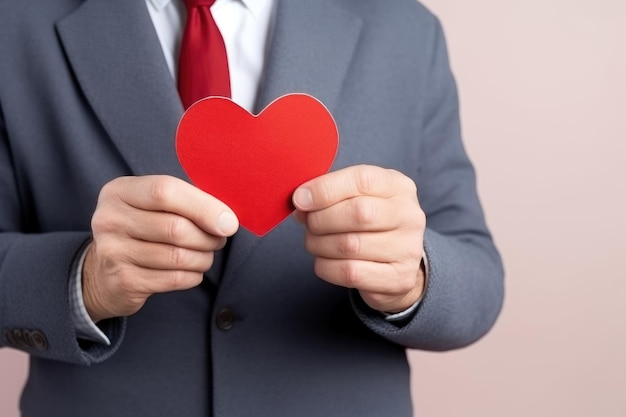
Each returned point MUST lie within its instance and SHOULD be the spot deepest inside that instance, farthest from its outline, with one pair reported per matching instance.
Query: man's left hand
(365, 227)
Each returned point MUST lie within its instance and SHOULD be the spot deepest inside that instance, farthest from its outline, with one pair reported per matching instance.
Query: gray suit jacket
(85, 96)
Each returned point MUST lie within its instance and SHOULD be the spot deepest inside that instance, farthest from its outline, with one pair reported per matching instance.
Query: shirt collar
(255, 6)
(159, 4)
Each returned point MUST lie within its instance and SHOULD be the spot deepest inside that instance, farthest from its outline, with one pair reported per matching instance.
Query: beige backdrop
(543, 92)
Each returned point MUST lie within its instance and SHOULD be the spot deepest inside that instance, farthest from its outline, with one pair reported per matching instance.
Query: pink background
(543, 94)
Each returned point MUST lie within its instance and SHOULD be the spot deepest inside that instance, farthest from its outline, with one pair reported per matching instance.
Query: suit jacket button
(225, 319)
(26, 339)
(38, 340)
(9, 337)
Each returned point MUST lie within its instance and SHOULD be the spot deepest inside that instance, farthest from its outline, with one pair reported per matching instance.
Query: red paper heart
(255, 163)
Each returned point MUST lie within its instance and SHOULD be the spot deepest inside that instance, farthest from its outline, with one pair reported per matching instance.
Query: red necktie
(203, 66)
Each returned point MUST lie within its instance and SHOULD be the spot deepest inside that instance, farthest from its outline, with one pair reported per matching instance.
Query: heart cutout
(255, 163)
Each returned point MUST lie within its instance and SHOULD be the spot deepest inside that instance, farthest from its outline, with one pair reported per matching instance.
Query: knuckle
(324, 192)
(109, 189)
(176, 279)
(407, 183)
(365, 211)
(349, 245)
(417, 218)
(104, 220)
(184, 279)
(175, 228)
(161, 189)
(364, 178)
(178, 257)
(351, 274)
(99, 222)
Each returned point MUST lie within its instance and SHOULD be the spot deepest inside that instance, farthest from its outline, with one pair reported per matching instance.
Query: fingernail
(302, 198)
(227, 223)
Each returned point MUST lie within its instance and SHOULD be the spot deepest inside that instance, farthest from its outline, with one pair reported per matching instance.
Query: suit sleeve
(465, 290)
(35, 271)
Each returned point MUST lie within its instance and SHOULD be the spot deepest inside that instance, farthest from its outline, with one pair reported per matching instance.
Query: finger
(116, 253)
(173, 195)
(168, 257)
(357, 214)
(362, 180)
(152, 226)
(171, 229)
(162, 281)
(373, 247)
(143, 282)
(372, 277)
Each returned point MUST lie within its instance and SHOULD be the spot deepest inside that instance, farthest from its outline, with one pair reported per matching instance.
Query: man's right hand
(151, 234)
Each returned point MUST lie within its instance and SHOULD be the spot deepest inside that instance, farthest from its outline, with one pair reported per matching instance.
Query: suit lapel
(118, 61)
(311, 48)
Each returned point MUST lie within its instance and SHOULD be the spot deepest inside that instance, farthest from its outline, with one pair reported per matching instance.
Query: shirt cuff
(83, 325)
(408, 313)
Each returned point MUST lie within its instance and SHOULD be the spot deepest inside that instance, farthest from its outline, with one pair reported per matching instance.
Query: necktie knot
(198, 3)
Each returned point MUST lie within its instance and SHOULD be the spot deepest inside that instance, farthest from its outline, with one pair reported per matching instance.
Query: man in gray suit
(311, 320)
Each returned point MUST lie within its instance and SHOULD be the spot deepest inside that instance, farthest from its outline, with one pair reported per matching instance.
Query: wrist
(90, 300)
